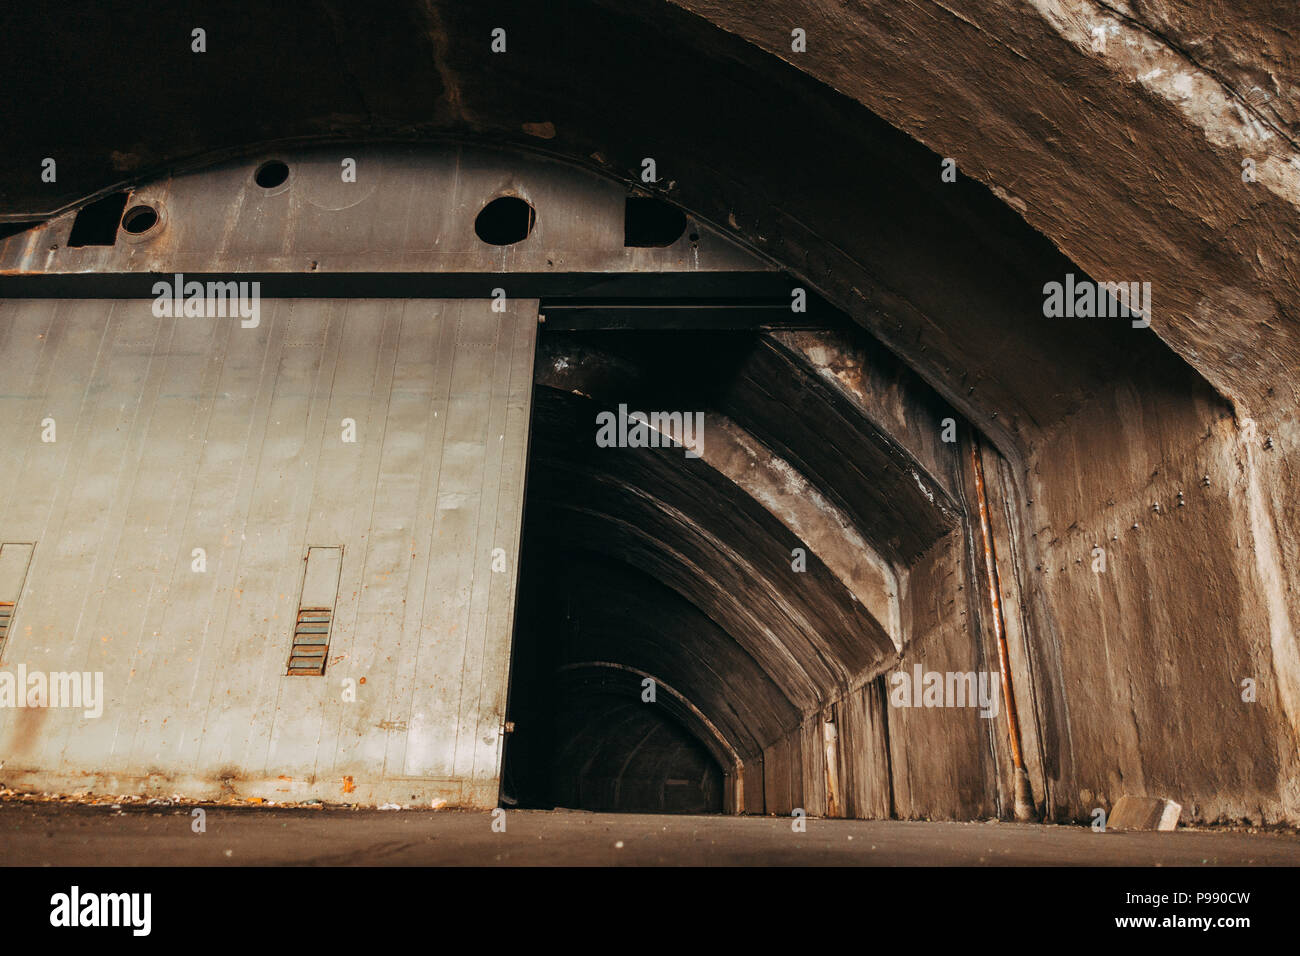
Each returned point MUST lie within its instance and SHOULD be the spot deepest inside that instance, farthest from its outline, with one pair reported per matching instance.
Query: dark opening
(651, 222)
(638, 683)
(585, 737)
(611, 697)
(617, 753)
(139, 219)
(8, 229)
(271, 174)
(505, 221)
(96, 223)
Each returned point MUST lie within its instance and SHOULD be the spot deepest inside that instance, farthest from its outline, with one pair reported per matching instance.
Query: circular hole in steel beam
(505, 221)
(139, 219)
(271, 174)
(649, 221)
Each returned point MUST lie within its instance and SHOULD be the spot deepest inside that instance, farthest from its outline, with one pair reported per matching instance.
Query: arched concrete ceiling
(615, 752)
(647, 627)
(627, 683)
(768, 391)
(686, 527)
(715, 545)
(1134, 173)
(1128, 153)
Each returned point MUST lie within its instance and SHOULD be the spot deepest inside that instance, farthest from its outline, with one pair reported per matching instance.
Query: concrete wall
(1145, 661)
(177, 434)
(913, 762)
(940, 756)
(1128, 679)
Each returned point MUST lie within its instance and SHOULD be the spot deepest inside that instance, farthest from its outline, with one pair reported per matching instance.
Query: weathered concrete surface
(1129, 161)
(1128, 158)
(1096, 695)
(197, 433)
(1144, 668)
(55, 835)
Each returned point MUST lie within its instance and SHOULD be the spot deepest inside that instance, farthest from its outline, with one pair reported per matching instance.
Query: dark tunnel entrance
(596, 722)
(591, 735)
(694, 592)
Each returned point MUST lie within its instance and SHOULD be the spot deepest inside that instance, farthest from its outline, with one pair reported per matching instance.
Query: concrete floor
(60, 834)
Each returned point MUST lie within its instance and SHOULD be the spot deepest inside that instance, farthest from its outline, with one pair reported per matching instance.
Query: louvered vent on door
(311, 641)
(14, 559)
(315, 618)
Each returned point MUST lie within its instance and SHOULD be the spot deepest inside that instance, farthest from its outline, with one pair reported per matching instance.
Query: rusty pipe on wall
(1024, 796)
